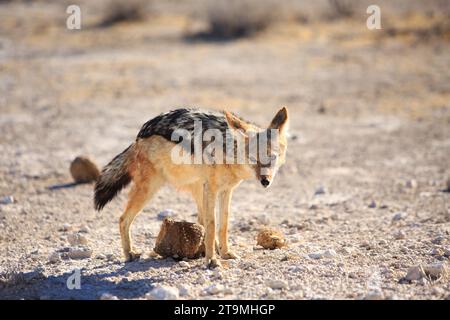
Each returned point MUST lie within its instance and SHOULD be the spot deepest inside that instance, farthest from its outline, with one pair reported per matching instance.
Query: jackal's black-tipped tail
(114, 177)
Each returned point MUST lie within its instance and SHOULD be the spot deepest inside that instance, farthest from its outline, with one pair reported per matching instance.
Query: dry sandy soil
(370, 119)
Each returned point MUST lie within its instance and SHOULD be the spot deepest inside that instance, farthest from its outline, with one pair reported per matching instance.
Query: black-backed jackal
(149, 163)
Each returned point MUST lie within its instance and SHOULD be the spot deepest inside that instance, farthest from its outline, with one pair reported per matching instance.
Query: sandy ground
(370, 119)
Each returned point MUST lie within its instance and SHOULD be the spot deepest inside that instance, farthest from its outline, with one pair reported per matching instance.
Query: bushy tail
(114, 177)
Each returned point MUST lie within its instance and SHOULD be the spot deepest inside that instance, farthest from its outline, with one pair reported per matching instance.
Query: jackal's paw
(213, 263)
(229, 255)
(132, 256)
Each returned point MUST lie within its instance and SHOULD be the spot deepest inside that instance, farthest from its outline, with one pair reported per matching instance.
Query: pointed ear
(280, 121)
(236, 123)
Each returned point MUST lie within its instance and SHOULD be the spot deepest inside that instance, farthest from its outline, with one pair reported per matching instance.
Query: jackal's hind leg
(209, 200)
(140, 194)
(224, 208)
(197, 194)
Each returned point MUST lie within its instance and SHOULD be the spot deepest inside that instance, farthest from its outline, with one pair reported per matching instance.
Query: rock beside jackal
(270, 239)
(180, 239)
(83, 170)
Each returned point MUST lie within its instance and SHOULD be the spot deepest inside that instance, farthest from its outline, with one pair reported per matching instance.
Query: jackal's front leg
(224, 207)
(209, 200)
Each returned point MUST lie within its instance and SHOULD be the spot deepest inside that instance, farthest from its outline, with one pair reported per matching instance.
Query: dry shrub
(239, 18)
(341, 9)
(118, 11)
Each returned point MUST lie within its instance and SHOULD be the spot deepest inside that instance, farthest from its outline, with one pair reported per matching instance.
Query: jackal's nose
(265, 182)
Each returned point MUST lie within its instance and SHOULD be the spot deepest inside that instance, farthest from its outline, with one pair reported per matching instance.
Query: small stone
(83, 170)
(447, 252)
(399, 216)
(183, 264)
(346, 251)
(110, 257)
(66, 227)
(316, 255)
(167, 213)
(320, 190)
(414, 273)
(184, 290)
(55, 257)
(399, 235)
(80, 252)
(372, 204)
(263, 219)
(329, 254)
(438, 240)
(163, 293)
(100, 257)
(84, 229)
(296, 269)
(214, 289)
(7, 200)
(436, 252)
(108, 296)
(376, 294)
(201, 279)
(276, 284)
(411, 184)
(76, 239)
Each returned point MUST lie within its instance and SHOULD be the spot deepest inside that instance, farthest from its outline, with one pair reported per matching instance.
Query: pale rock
(7, 200)
(411, 184)
(76, 239)
(399, 216)
(55, 257)
(66, 227)
(399, 235)
(184, 290)
(415, 273)
(80, 252)
(183, 264)
(329, 254)
(375, 294)
(108, 296)
(447, 252)
(276, 284)
(436, 252)
(214, 289)
(84, 229)
(163, 293)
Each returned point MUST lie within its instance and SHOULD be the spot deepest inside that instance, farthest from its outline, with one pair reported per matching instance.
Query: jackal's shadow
(124, 281)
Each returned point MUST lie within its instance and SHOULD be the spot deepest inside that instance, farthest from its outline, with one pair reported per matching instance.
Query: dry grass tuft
(118, 11)
(229, 19)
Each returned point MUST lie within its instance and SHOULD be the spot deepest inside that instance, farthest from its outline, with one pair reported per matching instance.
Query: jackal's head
(265, 148)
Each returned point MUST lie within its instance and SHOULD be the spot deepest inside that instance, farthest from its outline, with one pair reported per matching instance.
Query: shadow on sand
(119, 282)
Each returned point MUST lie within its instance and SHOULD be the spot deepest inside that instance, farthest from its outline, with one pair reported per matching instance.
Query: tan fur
(150, 166)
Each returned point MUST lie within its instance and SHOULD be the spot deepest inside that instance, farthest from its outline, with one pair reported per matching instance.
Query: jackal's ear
(280, 121)
(235, 122)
